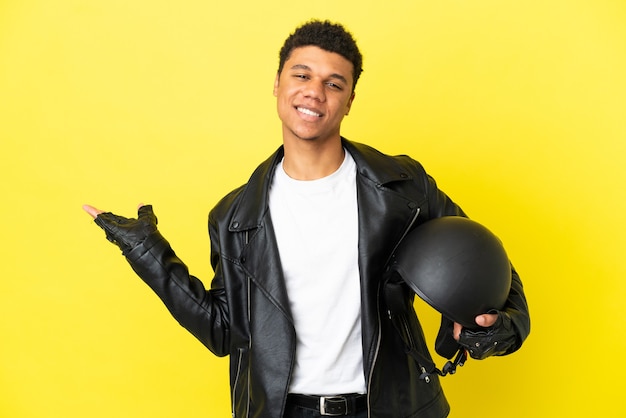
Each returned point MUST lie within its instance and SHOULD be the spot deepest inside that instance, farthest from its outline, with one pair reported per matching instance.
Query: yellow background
(517, 108)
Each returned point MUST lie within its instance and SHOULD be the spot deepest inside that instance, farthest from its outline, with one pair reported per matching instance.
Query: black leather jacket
(246, 313)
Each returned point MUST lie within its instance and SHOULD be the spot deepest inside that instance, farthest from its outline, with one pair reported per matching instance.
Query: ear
(276, 84)
(349, 106)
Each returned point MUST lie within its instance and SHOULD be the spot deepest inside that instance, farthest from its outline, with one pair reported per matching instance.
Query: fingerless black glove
(127, 233)
(495, 340)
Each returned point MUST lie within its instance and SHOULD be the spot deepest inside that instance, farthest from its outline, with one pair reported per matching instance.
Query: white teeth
(308, 112)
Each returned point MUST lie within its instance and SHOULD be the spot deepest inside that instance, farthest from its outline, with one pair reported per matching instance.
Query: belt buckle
(323, 407)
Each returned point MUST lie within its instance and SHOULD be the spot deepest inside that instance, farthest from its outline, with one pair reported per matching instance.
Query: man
(300, 253)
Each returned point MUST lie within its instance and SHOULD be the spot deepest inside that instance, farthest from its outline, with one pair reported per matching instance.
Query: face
(314, 93)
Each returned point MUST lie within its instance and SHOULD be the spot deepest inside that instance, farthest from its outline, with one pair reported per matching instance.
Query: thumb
(146, 213)
(486, 320)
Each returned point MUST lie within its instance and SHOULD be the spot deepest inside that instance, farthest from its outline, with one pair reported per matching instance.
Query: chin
(306, 136)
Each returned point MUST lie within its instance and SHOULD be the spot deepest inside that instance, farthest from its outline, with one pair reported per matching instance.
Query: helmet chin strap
(428, 367)
(451, 365)
(445, 344)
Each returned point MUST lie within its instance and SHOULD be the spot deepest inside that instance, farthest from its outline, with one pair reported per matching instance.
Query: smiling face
(314, 93)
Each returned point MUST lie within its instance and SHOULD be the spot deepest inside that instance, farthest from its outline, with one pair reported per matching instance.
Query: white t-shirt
(316, 225)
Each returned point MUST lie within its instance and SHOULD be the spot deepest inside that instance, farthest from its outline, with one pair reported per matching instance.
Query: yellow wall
(517, 108)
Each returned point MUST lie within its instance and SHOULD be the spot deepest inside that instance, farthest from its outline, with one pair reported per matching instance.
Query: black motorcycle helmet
(457, 266)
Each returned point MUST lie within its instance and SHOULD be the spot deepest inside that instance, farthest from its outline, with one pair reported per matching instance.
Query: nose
(315, 90)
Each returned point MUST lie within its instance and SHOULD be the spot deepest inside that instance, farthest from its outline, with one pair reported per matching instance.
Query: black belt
(330, 405)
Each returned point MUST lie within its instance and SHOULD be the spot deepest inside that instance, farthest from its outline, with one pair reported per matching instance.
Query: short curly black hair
(329, 36)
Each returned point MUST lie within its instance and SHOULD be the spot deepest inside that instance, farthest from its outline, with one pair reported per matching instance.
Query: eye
(334, 86)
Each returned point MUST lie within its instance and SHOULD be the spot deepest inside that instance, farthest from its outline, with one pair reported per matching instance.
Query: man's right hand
(126, 233)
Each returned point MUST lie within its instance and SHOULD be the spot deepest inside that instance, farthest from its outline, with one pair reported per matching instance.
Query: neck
(312, 160)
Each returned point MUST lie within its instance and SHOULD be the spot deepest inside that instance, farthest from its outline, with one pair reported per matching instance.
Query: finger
(456, 331)
(486, 320)
(92, 211)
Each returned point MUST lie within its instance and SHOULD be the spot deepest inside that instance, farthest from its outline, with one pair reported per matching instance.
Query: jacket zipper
(369, 381)
(407, 331)
(406, 231)
(247, 239)
(240, 359)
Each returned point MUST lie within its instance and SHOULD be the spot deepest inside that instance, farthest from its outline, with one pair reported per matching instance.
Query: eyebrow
(307, 68)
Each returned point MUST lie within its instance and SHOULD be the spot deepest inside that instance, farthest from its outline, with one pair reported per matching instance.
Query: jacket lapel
(259, 256)
(385, 216)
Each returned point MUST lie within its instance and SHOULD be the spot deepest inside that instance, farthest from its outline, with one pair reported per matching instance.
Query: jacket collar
(372, 166)
(369, 164)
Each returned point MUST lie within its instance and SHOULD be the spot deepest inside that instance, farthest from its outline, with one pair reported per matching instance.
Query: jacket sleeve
(517, 308)
(202, 312)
